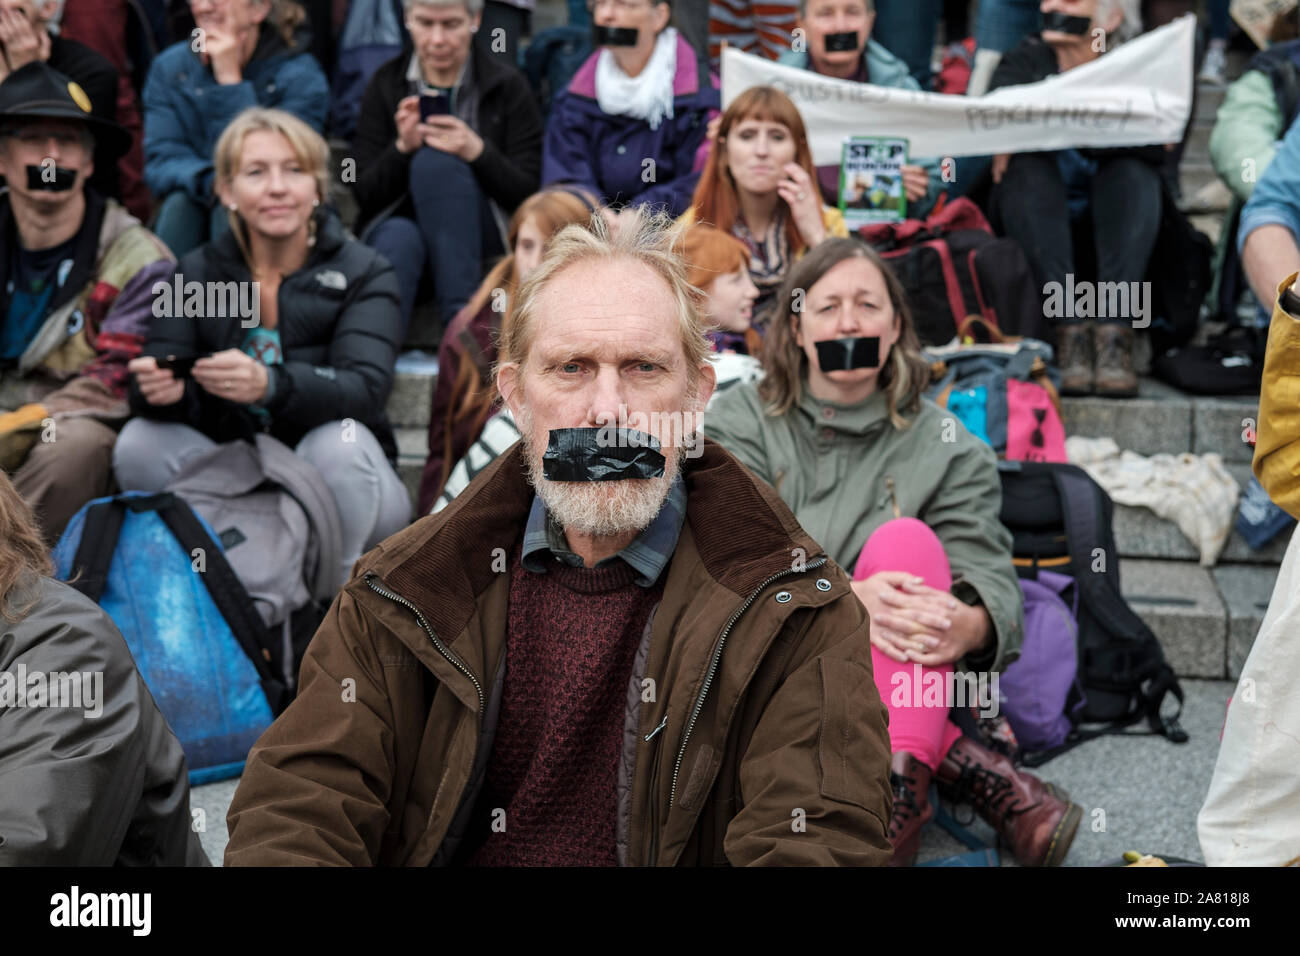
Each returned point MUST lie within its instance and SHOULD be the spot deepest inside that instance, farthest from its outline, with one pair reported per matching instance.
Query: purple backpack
(1040, 691)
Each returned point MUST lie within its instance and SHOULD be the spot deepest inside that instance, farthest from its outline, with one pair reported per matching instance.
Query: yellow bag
(19, 431)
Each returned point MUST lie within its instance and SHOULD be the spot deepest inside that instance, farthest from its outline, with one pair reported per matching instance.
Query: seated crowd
(644, 677)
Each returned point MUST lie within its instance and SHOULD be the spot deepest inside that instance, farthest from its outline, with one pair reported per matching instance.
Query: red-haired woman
(718, 265)
(760, 184)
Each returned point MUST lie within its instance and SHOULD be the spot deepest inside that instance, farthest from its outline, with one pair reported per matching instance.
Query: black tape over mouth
(614, 36)
(601, 454)
(1064, 23)
(841, 42)
(845, 355)
(39, 178)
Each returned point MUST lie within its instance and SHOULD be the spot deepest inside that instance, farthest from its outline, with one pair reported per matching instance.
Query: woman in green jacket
(897, 489)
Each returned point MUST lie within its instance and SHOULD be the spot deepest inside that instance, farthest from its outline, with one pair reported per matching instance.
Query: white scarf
(648, 96)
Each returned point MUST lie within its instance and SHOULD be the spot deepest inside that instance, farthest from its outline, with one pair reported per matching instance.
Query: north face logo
(332, 279)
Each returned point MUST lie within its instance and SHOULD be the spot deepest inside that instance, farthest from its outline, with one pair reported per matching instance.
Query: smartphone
(180, 367)
(436, 105)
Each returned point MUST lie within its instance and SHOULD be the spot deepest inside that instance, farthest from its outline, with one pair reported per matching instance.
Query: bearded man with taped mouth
(613, 648)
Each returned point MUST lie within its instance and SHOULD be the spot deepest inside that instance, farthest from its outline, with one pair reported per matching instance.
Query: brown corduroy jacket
(754, 731)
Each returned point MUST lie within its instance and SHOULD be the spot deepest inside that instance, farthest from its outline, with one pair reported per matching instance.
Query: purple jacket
(606, 153)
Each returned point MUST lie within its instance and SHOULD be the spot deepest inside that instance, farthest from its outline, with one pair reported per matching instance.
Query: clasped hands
(912, 621)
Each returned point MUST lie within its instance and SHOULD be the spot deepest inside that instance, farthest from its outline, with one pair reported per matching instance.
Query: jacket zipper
(442, 648)
(713, 667)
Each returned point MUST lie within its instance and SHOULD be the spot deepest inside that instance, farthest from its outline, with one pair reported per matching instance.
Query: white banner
(1137, 94)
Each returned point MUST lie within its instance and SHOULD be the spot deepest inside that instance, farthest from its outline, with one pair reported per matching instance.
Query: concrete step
(1163, 419)
(410, 400)
(1208, 100)
(1206, 620)
(1198, 141)
(1195, 174)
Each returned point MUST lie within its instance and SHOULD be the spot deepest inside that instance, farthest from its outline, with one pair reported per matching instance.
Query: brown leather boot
(912, 811)
(1115, 377)
(1074, 357)
(1035, 819)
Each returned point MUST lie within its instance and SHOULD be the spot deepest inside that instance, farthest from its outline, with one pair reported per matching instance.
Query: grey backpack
(278, 525)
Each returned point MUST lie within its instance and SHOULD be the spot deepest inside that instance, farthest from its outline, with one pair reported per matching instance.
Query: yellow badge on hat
(79, 96)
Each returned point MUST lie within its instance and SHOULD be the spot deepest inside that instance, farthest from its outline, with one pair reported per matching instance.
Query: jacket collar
(742, 532)
(686, 80)
(862, 418)
(225, 254)
(488, 72)
(88, 249)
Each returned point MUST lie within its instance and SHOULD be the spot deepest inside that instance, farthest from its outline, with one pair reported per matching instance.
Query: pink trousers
(908, 545)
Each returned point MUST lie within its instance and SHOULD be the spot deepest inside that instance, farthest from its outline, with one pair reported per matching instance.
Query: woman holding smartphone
(311, 363)
(448, 144)
(760, 185)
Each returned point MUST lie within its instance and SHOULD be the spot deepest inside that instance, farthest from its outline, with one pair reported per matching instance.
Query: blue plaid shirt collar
(648, 553)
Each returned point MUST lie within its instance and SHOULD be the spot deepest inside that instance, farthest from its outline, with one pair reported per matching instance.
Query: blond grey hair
(650, 239)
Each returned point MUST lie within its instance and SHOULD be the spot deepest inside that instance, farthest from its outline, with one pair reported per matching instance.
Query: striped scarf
(769, 258)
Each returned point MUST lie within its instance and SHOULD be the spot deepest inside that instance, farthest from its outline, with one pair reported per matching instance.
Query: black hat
(38, 92)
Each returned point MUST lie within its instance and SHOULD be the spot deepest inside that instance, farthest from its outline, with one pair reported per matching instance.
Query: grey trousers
(373, 503)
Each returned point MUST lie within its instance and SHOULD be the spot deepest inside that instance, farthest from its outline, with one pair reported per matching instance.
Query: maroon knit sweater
(571, 641)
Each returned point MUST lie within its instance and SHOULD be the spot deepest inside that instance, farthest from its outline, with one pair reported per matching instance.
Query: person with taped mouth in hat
(76, 274)
(615, 647)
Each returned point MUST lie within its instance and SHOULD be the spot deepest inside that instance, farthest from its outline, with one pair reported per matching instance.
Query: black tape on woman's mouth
(601, 454)
(614, 36)
(845, 355)
(841, 42)
(51, 179)
(1063, 23)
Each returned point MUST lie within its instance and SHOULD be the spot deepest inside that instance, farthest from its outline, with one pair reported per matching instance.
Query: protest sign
(1137, 94)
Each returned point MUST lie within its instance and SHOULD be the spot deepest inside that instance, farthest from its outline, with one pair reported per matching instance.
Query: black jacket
(509, 169)
(340, 331)
(1034, 60)
(81, 790)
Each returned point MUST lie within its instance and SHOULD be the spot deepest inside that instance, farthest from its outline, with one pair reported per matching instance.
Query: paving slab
(1137, 792)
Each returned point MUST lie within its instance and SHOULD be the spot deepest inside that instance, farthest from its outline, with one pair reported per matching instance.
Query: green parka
(841, 468)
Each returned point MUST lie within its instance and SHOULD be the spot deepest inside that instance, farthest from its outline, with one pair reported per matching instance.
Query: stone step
(1163, 419)
(1208, 100)
(1194, 174)
(1198, 142)
(410, 400)
(1206, 620)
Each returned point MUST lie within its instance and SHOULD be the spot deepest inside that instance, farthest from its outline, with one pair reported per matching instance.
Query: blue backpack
(160, 573)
